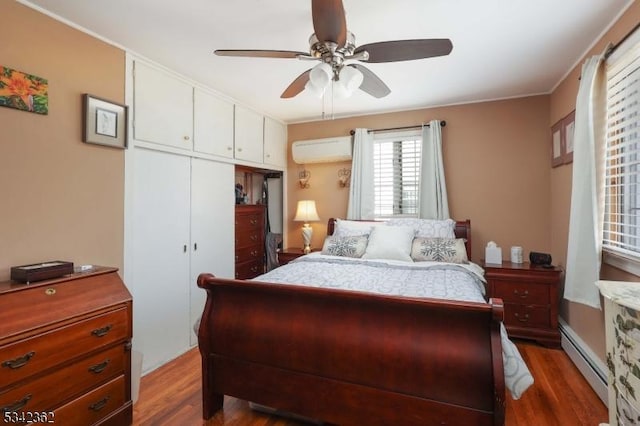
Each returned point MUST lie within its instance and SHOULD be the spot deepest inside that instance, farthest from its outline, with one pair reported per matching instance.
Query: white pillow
(427, 228)
(390, 242)
(352, 228)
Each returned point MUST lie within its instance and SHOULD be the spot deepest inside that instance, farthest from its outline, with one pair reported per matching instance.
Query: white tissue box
(493, 255)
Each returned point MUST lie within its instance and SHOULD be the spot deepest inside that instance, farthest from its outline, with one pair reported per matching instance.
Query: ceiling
(501, 48)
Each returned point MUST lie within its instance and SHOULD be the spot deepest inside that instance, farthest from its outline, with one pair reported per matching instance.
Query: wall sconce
(303, 178)
(344, 177)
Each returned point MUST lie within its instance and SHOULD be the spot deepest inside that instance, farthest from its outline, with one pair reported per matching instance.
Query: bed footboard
(351, 358)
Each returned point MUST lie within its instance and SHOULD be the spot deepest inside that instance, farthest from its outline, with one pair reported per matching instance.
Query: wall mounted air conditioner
(326, 150)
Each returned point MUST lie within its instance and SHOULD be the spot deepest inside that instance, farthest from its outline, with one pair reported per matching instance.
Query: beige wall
(497, 168)
(61, 199)
(587, 322)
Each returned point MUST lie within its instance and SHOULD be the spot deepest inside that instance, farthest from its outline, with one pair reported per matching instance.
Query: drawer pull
(18, 362)
(17, 405)
(100, 404)
(523, 295)
(99, 368)
(253, 221)
(523, 319)
(101, 332)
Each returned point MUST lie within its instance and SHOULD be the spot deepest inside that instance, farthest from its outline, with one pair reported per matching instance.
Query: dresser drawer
(248, 238)
(30, 356)
(249, 221)
(94, 406)
(526, 315)
(523, 293)
(248, 270)
(47, 392)
(249, 254)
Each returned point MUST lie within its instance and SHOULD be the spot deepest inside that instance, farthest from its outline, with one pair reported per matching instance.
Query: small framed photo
(104, 122)
(557, 144)
(568, 130)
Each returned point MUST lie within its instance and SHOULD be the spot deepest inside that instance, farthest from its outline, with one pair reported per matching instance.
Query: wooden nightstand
(530, 296)
(287, 255)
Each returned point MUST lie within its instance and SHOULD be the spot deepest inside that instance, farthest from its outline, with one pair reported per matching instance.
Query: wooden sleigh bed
(352, 358)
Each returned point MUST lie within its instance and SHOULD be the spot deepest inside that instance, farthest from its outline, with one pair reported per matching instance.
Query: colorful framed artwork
(104, 122)
(23, 91)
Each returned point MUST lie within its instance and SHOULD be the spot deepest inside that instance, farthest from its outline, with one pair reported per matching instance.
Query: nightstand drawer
(521, 293)
(526, 315)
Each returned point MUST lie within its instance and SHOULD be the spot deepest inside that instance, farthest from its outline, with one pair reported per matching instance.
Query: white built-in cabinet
(162, 108)
(275, 143)
(180, 208)
(212, 124)
(249, 135)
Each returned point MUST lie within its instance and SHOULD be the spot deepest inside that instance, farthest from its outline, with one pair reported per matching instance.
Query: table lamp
(306, 213)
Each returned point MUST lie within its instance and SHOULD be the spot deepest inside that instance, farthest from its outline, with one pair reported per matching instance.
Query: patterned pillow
(351, 228)
(345, 246)
(427, 228)
(450, 250)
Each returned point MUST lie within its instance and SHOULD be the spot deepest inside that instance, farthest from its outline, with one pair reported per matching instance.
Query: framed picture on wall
(568, 130)
(104, 122)
(557, 144)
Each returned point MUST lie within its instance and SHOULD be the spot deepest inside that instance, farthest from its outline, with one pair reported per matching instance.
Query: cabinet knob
(229, 148)
(239, 149)
(525, 317)
(186, 138)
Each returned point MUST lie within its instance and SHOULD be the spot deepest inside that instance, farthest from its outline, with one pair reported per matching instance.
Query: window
(396, 173)
(621, 227)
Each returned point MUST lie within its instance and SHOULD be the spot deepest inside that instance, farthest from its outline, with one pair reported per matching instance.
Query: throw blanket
(462, 282)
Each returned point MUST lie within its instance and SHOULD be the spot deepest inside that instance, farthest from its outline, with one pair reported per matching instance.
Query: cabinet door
(163, 108)
(212, 124)
(275, 143)
(160, 255)
(249, 131)
(212, 231)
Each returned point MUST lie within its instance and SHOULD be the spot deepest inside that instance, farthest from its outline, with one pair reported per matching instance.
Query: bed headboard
(462, 230)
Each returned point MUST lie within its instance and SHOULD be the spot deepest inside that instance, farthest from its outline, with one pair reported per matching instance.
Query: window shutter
(622, 158)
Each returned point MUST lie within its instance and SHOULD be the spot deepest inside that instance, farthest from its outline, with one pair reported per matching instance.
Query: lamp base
(307, 232)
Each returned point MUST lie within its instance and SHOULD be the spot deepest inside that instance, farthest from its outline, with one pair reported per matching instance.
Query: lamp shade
(306, 211)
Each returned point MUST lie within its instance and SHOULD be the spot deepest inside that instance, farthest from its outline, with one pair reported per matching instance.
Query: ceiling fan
(335, 48)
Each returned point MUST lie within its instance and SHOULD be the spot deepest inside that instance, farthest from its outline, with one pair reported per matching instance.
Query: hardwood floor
(560, 395)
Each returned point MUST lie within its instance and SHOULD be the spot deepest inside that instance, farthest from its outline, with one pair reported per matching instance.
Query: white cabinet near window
(275, 143)
(162, 108)
(212, 124)
(249, 135)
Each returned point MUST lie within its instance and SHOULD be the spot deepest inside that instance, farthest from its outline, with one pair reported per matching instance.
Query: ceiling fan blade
(371, 83)
(286, 54)
(296, 86)
(406, 50)
(329, 22)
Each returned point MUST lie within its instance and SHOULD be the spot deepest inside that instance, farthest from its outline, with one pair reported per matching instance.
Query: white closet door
(212, 124)
(212, 230)
(275, 143)
(161, 200)
(249, 134)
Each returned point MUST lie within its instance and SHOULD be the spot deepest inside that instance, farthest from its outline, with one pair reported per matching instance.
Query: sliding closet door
(212, 230)
(161, 205)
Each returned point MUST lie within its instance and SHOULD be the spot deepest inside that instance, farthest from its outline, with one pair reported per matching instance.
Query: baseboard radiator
(591, 367)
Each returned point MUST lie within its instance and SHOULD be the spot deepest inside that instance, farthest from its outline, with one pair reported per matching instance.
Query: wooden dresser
(65, 350)
(530, 296)
(250, 230)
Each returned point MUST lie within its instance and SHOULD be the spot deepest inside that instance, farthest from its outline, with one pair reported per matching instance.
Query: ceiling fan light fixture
(314, 90)
(351, 78)
(321, 75)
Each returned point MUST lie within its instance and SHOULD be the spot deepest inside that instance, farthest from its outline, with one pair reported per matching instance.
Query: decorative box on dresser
(250, 230)
(530, 296)
(622, 335)
(65, 350)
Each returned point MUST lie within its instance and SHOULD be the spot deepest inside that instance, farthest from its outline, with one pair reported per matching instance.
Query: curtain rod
(615, 46)
(442, 123)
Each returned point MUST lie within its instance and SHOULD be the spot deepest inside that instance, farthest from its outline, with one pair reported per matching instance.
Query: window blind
(396, 174)
(621, 227)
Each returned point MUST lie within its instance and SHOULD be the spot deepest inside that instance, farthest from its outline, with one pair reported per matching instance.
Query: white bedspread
(463, 282)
